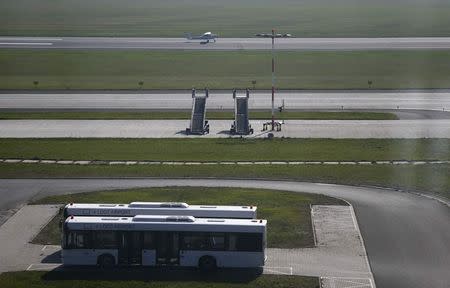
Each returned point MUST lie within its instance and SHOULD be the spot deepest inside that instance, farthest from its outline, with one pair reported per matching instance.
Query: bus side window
(217, 241)
(232, 240)
(149, 240)
(71, 240)
(82, 240)
(250, 242)
(105, 240)
(195, 241)
(203, 241)
(78, 240)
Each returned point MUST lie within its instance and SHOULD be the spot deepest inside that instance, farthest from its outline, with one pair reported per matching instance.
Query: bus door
(130, 249)
(167, 248)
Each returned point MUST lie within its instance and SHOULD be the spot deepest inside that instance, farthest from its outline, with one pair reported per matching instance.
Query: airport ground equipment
(199, 124)
(277, 126)
(241, 125)
(160, 208)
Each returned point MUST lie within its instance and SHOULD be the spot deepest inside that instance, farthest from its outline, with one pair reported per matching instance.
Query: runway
(226, 43)
(335, 129)
(438, 100)
(406, 235)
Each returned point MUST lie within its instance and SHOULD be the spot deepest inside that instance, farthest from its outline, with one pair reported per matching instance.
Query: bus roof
(165, 223)
(160, 208)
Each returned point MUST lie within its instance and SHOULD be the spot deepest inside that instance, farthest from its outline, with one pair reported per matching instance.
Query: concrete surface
(220, 128)
(418, 100)
(227, 43)
(339, 253)
(406, 235)
(16, 253)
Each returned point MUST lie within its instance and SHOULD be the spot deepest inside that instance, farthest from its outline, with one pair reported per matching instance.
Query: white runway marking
(24, 43)
(29, 39)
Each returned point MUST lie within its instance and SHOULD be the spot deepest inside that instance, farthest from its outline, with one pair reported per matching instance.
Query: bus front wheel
(106, 261)
(207, 264)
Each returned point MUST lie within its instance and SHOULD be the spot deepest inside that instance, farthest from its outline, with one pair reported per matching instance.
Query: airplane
(205, 36)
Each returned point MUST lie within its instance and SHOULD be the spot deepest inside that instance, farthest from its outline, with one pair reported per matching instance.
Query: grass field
(227, 149)
(287, 213)
(285, 115)
(431, 179)
(100, 69)
(233, 18)
(152, 278)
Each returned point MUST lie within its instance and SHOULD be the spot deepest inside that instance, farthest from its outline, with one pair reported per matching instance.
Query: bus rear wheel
(207, 264)
(106, 261)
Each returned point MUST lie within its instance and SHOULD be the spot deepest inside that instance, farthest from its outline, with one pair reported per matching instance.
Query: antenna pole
(273, 79)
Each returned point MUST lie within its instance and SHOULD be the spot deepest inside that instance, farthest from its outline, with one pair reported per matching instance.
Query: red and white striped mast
(273, 79)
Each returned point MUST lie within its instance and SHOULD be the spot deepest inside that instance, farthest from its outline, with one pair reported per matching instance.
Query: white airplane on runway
(207, 36)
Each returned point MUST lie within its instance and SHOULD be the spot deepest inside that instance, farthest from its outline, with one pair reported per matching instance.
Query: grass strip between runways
(185, 115)
(37, 69)
(226, 149)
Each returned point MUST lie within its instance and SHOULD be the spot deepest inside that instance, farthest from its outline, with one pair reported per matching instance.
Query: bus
(156, 240)
(160, 208)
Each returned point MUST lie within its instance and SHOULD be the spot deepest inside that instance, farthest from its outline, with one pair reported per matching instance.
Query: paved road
(226, 43)
(406, 236)
(408, 129)
(418, 100)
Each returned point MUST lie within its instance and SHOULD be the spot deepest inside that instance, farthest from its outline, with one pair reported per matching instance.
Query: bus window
(195, 241)
(149, 240)
(217, 241)
(245, 242)
(81, 240)
(203, 241)
(78, 240)
(106, 240)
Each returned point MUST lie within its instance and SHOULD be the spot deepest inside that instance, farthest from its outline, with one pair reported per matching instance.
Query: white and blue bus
(160, 208)
(154, 240)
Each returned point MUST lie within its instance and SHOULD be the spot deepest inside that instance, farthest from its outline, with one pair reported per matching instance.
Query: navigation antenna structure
(273, 36)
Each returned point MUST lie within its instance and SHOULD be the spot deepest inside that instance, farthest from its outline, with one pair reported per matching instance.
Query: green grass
(227, 149)
(152, 278)
(209, 115)
(431, 179)
(112, 69)
(287, 213)
(232, 18)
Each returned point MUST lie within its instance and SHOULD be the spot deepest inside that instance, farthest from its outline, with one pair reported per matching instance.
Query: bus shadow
(55, 257)
(234, 275)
